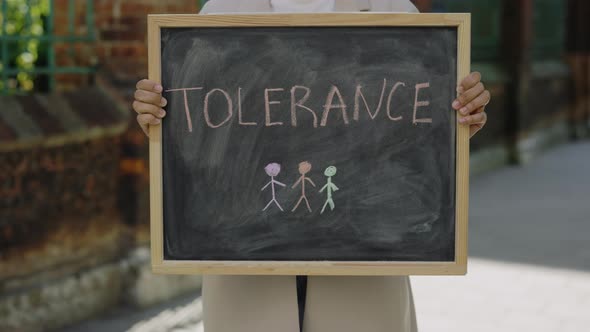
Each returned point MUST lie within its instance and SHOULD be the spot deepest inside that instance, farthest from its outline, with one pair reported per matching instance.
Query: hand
(471, 103)
(148, 104)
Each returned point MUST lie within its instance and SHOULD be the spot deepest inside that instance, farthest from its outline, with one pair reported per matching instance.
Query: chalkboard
(308, 144)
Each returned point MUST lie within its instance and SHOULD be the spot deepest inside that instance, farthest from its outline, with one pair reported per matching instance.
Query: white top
(266, 6)
(302, 6)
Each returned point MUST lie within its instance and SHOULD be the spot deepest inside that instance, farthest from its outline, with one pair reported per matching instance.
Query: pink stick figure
(304, 168)
(272, 169)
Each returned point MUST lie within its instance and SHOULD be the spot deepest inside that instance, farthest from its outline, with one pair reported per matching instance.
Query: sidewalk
(529, 267)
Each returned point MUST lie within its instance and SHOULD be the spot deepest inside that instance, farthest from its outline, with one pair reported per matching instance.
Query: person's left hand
(471, 103)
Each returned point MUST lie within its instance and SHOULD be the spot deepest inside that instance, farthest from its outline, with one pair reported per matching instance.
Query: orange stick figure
(304, 168)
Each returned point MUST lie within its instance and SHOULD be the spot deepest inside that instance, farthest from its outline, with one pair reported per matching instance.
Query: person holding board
(326, 304)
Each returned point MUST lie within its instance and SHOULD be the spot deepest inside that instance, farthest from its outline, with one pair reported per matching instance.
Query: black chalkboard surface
(309, 144)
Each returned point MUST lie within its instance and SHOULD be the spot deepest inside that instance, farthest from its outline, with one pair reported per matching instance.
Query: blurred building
(74, 184)
(74, 220)
(519, 47)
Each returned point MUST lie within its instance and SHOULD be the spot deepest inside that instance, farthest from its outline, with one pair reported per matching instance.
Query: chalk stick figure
(273, 169)
(329, 172)
(304, 168)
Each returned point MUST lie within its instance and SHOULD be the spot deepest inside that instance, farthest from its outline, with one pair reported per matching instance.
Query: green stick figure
(329, 172)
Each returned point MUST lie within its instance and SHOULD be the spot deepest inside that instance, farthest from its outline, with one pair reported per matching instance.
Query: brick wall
(121, 31)
(57, 200)
(71, 180)
(120, 56)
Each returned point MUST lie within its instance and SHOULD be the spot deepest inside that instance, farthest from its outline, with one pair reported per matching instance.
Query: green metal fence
(549, 29)
(486, 24)
(28, 39)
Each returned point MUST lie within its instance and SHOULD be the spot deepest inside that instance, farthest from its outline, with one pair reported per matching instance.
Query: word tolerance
(299, 95)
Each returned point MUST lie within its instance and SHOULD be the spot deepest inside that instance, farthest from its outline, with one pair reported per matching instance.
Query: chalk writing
(329, 187)
(299, 95)
(186, 110)
(420, 104)
(272, 170)
(359, 94)
(304, 168)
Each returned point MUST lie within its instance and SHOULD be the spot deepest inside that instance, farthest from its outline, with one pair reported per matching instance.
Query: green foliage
(22, 18)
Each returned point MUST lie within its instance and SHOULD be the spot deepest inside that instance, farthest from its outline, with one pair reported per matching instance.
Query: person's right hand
(148, 104)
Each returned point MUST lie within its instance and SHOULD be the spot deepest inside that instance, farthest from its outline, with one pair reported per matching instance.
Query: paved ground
(499, 296)
(529, 259)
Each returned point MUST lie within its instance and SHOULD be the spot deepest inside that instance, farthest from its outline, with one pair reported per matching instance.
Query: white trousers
(333, 304)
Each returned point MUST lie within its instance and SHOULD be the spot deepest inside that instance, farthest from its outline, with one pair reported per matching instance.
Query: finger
(468, 96)
(480, 101)
(150, 98)
(142, 108)
(470, 81)
(479, 118)
(149, 85)
(473, 129)
(479, 110)
(146, 120)
(145, 130)
(143, 124)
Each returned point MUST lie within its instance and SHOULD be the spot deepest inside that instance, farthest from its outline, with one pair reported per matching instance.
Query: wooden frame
(459, 266)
